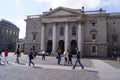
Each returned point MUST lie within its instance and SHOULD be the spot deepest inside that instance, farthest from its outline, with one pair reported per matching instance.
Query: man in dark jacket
(78, 55)
(31, 56)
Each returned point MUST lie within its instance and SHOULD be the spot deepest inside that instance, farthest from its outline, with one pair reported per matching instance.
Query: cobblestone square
(95, 69)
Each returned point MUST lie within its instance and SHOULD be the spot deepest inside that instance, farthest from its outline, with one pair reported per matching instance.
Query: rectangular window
(34, 37)
(6, 31)
(94, 49)
(73, 30)
(62, 31)
(13, 33)
(93, 36)
(50, 31)
(10, 32)
(93, 25)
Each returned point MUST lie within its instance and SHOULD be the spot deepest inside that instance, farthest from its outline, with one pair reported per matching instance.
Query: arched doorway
(61, 45)
(73, 45)
(49, 46)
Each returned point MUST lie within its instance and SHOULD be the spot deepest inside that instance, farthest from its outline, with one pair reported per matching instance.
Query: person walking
(66, 56)
(6, 56)
(58, 56)
(17, 53)
(31, 56)
(78, 55)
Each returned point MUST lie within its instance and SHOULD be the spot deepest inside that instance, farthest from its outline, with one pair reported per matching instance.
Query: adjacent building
(20, 45)
(9, 34)
(95, 33)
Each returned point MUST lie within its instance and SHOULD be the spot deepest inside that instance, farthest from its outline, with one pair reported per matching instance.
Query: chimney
(100, 10)
(50, 9)
(82, 8)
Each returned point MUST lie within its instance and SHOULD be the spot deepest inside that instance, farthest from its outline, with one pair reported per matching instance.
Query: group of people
(31, 54)
(17, 53)
(68, 57)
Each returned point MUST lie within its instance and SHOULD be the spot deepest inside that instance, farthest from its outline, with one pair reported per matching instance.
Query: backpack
(31, 55)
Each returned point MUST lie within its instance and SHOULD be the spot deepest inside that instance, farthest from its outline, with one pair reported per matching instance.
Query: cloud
(18, 1)
(88, 4)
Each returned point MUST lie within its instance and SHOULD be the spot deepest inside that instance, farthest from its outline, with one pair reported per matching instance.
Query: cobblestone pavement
(49, 70)
(113, 63)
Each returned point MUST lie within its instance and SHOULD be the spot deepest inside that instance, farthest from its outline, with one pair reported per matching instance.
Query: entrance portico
(56, 38)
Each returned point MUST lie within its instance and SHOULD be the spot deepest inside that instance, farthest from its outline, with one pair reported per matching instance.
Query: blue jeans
(78, 60)
(59, 60)
(17, 58)
(30, 61)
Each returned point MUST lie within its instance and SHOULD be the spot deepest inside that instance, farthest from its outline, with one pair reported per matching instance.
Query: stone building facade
(95, 33)
(9, 34)
(20, 45)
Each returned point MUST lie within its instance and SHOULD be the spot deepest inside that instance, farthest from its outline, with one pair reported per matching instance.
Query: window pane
(73, 30)
(34, 37)
(93, 36)
(50, 31)
(93, 49)
(61, 30)
(93, 25)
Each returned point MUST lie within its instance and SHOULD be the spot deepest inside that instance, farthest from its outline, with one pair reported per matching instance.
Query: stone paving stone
(13, 72)
(113, 63)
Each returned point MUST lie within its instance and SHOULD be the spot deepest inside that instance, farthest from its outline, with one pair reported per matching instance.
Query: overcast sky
(16, 11)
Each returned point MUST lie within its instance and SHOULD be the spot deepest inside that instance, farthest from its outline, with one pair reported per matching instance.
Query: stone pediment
(61, 11)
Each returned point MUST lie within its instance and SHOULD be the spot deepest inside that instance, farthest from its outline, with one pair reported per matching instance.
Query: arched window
(50, 31)
(73, 30)
(61, 30)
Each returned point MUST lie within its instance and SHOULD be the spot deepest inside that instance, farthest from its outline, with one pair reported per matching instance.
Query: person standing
(66, 56)
(70, 58)
(31, 56)
(6, 56)
(58, 56)
(78, 55)
(43, 55)
(17, 53)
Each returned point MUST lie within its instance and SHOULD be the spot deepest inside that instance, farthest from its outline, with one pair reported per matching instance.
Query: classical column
(80, 37)
(42, 37)
(54, 39)
(66, 36)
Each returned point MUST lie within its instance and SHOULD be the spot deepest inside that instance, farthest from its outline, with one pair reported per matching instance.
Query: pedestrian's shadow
(2, 64)
(37, 67)
(22, 63)
(91, 71)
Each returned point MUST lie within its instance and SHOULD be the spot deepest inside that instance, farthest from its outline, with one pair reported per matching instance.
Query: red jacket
(6, 53)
